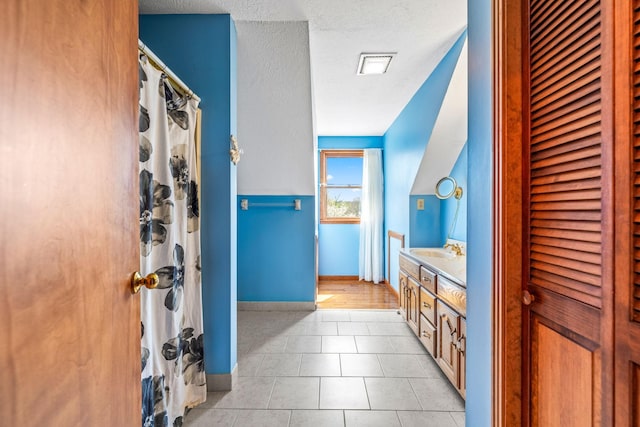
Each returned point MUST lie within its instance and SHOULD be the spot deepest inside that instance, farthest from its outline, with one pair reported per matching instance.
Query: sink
(433, 252)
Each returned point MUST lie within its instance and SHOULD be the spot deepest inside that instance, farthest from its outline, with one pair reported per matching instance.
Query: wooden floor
(354, 294)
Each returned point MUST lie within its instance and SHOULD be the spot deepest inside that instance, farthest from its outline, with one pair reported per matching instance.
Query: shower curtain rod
(166, 70)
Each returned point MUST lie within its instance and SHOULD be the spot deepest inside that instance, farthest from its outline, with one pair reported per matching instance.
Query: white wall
(275, 117)
(449, 132)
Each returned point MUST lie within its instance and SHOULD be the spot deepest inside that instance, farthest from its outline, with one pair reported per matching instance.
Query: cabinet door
(413, 305)
(462, 362)
(403, 294)
(448, 354)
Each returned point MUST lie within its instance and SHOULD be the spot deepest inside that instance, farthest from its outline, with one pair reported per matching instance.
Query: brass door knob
(137, 281)
(527, 297)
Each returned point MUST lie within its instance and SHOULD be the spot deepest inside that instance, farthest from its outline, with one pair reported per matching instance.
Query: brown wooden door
(568, 233)
(69, 327)
(627, 203)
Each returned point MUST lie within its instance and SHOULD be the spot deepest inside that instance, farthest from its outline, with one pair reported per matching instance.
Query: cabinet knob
(527, 297)
(426, 334)
(426, 279)
(426, 304)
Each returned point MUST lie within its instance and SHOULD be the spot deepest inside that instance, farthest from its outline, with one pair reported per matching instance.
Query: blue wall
(448, 206)
(404, 145)
(424, 225)
(338, 247)
(276, 247)
(429, 227)
(479, 231)
(339, 244)
(201, 49)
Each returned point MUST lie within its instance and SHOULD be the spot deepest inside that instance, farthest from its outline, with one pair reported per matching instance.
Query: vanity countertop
(444, 262)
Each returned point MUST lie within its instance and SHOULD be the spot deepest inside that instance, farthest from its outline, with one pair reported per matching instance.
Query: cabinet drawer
(454, 295)
(428, 279)
(428, 305)
(427, 335)
(412, 268)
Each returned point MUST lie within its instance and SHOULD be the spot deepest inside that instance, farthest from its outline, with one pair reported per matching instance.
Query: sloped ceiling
(449, 132)
(339, 30)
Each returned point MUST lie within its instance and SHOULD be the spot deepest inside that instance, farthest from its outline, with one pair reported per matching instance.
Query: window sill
(340, 221)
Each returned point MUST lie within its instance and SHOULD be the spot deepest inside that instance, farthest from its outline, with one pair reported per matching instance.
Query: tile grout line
(319, 391)
(273, 386)
(415, 394)
(366, 390)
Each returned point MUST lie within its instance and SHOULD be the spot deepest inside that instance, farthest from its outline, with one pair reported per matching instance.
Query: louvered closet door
(564, 229)
(627, 283)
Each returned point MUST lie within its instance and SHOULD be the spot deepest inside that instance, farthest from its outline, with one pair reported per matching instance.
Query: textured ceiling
(420, 31)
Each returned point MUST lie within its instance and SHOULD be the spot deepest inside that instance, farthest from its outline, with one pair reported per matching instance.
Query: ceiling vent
(374, 63)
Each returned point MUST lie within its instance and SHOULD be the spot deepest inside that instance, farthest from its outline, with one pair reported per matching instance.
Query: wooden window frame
(324, 154)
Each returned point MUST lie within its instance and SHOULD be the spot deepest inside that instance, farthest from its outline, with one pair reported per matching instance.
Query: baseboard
(392, 289)
(276, 306)
(338, 278)
(222, 382)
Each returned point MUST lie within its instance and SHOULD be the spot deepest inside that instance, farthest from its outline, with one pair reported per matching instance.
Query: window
(340, 186)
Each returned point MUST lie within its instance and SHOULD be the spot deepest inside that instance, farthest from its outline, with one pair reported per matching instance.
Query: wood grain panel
(448, 356)
(565, 134)
(462, 355)
(68, 166)
(428, 335)
(410, 267)
(635, 75)
(580, 320)
(413, 305)
(634, 392)
(454, 295)
(509, 163)
(627, 179)
(553, 377)
(354, 294)
(428, 305)
(428, 279)
(403, 289)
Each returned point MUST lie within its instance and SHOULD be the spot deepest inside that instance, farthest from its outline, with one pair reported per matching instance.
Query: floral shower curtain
(173, 376)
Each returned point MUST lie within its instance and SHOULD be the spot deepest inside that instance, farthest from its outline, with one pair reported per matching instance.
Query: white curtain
(371, 218)
(173, 376)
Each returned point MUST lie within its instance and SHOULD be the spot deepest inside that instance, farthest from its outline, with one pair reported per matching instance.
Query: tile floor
(331, 368)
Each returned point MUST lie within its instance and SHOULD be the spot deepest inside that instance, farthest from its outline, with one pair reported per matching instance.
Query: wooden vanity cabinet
(434, 307)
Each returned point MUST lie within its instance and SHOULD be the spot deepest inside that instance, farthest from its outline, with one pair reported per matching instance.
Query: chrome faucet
(455, 247)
